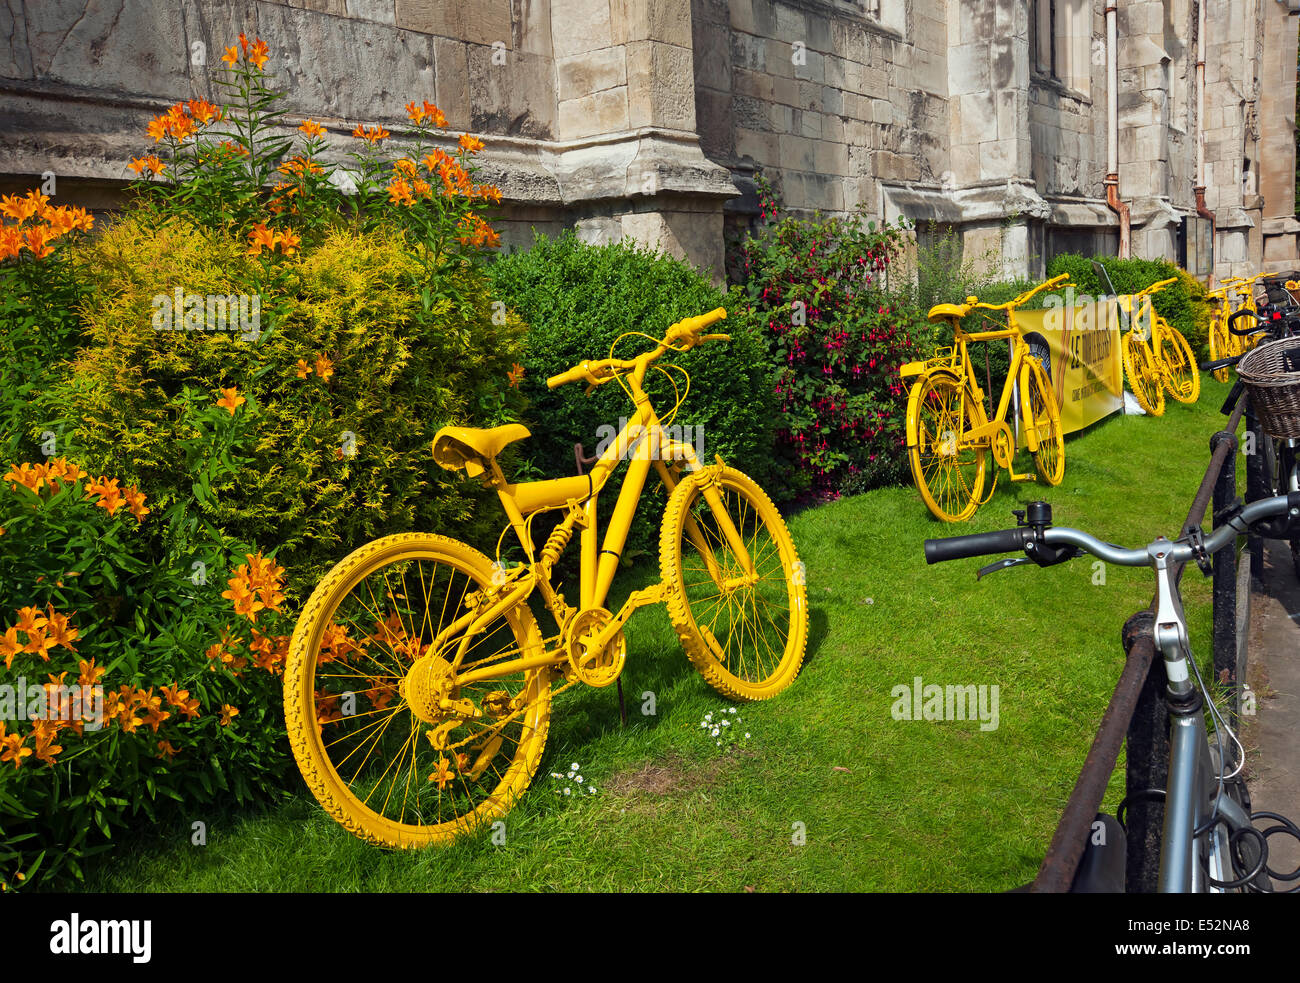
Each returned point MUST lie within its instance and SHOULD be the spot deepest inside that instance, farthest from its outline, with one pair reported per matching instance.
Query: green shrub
(95, 607)
(345, 385)
(577, 299)
(1182, 304)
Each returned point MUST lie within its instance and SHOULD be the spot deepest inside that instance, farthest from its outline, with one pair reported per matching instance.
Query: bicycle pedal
(1022, 477)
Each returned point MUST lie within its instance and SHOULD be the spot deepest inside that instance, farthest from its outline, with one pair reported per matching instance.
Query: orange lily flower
(231, 400)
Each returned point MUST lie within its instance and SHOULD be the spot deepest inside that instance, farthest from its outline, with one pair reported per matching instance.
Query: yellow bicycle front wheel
(1143, 376)
(948, 473)
(389, 744)
(1221, 346)
(746, 635)
(1040, 400)
(1178, 369)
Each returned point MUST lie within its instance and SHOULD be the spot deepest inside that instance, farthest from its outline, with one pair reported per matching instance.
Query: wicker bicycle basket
(1271, 373)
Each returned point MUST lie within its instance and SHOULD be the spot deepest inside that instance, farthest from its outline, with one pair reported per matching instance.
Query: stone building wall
(650, 118)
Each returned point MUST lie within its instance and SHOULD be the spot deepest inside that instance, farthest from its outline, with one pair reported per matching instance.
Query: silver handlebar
(1265, 508)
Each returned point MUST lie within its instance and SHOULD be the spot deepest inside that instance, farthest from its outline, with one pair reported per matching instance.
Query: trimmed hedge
(1182, 304)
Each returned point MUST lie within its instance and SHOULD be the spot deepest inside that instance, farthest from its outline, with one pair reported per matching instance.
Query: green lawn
(887, 805)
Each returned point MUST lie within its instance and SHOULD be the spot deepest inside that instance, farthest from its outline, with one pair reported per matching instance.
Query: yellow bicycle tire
(1182, 380)
(701, 611)
(951, 490)
(322, 773)
(1143, 376)
(1040, 406)
(1221, 346)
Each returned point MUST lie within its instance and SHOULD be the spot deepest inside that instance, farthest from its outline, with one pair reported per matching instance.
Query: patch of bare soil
(671, 775)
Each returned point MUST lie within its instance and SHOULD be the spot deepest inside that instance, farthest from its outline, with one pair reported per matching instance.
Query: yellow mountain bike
(1157, 358)
(949, 433)
(418, 687)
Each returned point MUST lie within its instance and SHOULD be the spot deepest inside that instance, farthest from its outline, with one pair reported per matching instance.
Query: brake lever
(1004, 564)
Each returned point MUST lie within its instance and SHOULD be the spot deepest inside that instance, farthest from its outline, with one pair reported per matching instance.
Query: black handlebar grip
(1221, 363)
(1244, 312)
(978, 544)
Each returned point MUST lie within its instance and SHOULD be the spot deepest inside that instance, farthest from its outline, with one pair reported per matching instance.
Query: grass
(885, 805)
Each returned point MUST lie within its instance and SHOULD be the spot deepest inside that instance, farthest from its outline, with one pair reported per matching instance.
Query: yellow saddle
(472, 449)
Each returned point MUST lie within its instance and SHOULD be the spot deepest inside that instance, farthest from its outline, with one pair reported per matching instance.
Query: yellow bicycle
(418, 687)
(1157, 358)
(1223, 343)
(949, 433)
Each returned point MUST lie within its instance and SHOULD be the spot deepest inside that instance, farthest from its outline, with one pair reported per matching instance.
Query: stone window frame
(1068, 56)
(861, 10)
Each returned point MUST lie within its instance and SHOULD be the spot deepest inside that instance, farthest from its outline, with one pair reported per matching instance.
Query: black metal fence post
(1225, 575)
(1258, 485)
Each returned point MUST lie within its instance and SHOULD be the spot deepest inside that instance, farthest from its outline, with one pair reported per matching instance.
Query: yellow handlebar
(586, 370)
(1156, 287)
(687, 330)
(1023, 298)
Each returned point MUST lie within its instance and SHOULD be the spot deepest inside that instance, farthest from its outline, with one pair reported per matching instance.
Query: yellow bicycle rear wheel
(948, 473)
(1143, 375)
(393, 750)
(1178, 369)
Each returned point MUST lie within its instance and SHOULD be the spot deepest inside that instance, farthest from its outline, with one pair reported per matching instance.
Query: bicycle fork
(1192, 799)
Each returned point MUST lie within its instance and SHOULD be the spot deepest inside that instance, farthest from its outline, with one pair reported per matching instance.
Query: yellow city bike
(949, 434)
(1223, 343)
(418, 687)
(1157, 358)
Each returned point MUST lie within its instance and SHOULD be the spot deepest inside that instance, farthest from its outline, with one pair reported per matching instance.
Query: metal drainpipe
(1119, 207)
(1199, 188)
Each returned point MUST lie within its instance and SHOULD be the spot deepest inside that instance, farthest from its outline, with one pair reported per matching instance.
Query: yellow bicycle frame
(958, 364)
(643, 437)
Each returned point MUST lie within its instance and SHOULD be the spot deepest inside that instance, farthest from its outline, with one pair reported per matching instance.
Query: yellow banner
(1086, 368)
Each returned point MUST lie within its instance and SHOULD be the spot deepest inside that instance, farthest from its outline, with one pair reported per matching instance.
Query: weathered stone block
(997, 159)
(809, 65)
(765, 148)
(128, 48)
(451, 63)
(442, 17)
(747, 83)
(379, 11)
(516, 99)
(668, 21)
(599, 112)
(712, 57)
(748, 52)
(976, 118)
(592, 71)
(968, 69)
(488, 22)
(660, 92)
(580, 25)
(798, 152)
